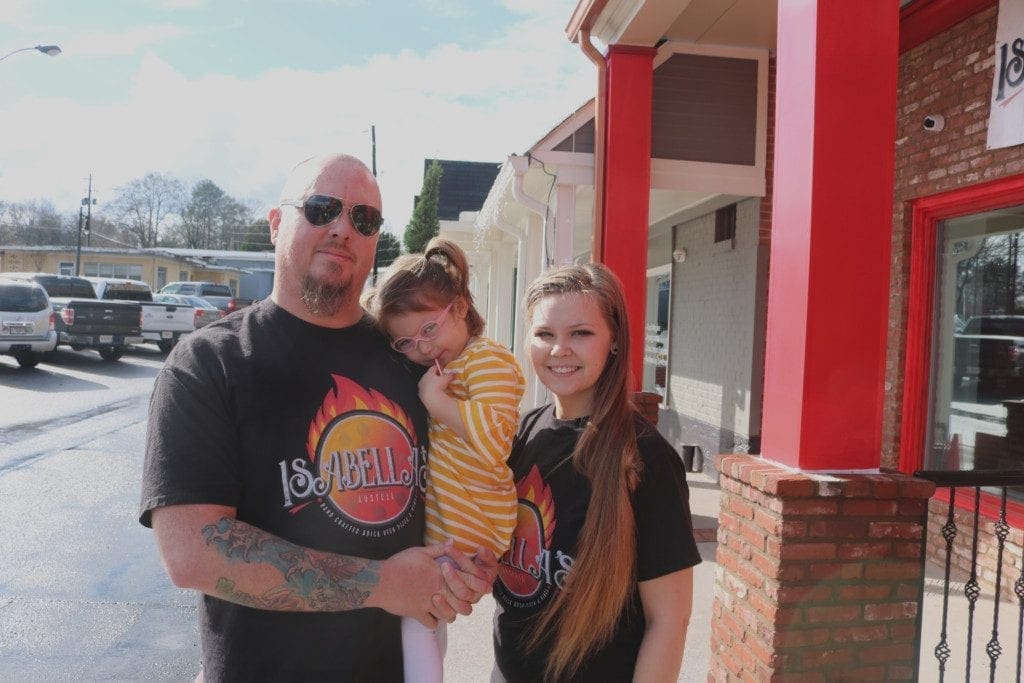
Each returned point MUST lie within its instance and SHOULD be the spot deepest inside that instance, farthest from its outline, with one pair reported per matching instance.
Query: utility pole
(87, 202)
(88, 214)
(78, 250)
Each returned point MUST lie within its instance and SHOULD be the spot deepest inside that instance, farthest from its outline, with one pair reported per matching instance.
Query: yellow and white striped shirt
(471, 496)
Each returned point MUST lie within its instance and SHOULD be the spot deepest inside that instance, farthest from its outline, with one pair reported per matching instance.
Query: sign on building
(1006, 116)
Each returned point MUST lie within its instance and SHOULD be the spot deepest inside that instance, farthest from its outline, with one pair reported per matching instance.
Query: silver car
(206, 312)
(27, 323)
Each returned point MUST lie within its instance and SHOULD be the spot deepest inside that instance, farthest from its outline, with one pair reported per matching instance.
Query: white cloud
(244, 134)
(452, 9)
(120, 43)
(180, 4)
(14, 12)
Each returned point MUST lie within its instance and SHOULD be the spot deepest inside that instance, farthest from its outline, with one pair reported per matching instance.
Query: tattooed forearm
(311, 580)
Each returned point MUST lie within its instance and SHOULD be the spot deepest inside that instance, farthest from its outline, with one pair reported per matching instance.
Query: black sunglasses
(321, 210)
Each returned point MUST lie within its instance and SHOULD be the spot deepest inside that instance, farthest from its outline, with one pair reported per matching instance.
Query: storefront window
(977, 387)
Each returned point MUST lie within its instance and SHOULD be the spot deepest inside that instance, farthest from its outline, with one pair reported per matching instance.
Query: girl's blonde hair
(583, 616)
(422, 282)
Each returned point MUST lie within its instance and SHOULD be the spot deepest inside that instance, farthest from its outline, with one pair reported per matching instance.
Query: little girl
(472, 391)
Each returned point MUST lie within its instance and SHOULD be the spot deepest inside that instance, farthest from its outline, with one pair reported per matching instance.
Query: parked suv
(27, 322)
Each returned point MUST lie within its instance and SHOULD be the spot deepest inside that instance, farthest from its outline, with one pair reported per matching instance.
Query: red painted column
(627, 182)
(828, 294)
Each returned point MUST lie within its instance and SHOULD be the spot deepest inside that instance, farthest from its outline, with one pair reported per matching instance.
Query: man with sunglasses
(303, 511)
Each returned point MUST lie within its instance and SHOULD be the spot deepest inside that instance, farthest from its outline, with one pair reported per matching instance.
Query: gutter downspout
(600, 111)
(520, 165)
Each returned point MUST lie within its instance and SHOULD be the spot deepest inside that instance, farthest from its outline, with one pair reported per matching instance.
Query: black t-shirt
(313, 434)
(553, 501)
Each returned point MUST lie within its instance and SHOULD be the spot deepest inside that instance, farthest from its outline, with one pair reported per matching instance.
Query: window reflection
(977, 407)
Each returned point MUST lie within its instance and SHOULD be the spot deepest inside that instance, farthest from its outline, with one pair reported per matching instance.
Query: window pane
(121, 270)
(977, 402)
(90, 269)
(135, 271)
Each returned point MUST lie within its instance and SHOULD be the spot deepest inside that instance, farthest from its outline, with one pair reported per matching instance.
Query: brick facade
(819, 575)
(988, 548)
(951, 75)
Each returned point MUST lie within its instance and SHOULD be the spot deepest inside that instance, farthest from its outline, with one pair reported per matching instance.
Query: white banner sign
(1006, 118)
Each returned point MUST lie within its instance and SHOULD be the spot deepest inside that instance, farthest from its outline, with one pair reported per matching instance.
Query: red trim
(925, 215)
(925, 19)
(627, 184)
(819, 414)
(989, 505)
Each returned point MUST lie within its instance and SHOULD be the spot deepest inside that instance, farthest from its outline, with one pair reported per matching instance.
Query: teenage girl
(598, 582)
(471, 389)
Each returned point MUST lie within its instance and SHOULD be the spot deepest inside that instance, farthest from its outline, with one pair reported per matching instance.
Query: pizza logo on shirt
(528, 570)
(365, 467)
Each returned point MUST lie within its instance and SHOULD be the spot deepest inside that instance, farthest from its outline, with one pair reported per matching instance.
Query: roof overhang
(749, 23)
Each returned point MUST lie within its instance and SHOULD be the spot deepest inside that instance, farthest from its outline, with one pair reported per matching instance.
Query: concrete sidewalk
(704, 509)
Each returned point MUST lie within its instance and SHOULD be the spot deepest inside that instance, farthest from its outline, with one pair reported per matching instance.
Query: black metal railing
(1000, 480)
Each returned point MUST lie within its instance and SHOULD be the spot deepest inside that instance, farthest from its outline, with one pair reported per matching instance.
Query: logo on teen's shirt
(529, 571)
(365, 468)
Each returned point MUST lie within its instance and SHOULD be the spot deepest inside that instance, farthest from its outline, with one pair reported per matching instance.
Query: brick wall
(818, 575)
(988, 547)
(951, 75)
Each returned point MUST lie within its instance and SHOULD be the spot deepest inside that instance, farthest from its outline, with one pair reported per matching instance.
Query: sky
(239, 91)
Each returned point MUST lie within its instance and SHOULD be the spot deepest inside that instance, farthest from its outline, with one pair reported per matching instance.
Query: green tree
(424, 223)
(388, 249)
(255, 237)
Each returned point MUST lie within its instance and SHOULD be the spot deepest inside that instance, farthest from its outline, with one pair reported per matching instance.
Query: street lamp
(51, 50)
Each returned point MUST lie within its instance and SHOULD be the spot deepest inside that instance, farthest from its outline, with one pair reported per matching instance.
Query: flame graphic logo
(520, 569)
(364, 447)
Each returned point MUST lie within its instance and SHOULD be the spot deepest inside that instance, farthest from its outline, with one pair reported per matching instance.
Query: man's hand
(410, 582)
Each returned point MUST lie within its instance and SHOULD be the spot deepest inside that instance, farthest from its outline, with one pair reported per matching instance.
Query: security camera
(934, 123)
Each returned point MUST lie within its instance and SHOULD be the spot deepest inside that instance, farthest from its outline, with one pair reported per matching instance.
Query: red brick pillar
(820, 574)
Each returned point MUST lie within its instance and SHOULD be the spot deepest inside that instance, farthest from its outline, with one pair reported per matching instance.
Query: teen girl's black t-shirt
(315, 435)
(553, 501)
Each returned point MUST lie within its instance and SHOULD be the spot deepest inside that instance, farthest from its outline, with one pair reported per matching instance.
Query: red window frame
(924, 215)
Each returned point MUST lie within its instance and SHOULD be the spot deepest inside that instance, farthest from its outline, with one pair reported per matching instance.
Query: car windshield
(79, 289)
(216, 290)
(21, 299)
(198, 302)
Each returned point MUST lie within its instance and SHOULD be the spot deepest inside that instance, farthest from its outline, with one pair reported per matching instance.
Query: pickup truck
(83, 322)
(217, 294)
(162, 323)
(990, 352)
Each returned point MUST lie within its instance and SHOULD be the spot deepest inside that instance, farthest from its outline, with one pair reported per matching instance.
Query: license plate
(106, 339)
(166, 335)
(18, 330)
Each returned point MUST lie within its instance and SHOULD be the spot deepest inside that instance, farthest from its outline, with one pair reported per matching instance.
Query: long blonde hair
(421, 282)
(583, 616)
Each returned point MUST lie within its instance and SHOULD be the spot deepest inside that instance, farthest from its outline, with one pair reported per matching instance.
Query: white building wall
(716, 342)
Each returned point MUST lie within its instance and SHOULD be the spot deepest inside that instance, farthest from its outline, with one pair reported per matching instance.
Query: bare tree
(35, 223)
(147, 204)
